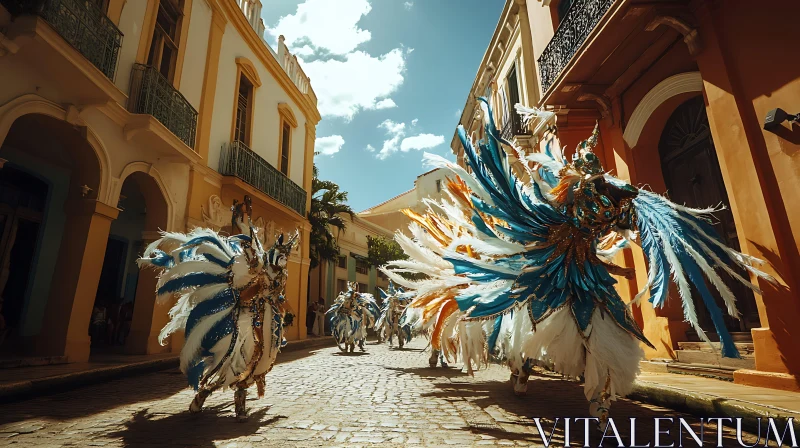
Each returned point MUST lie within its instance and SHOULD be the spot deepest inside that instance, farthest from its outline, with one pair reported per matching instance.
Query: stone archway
(676, 85)
(68, 157)
(145, 209)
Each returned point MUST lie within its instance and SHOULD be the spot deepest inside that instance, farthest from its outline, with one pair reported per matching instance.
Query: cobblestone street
(325, 398)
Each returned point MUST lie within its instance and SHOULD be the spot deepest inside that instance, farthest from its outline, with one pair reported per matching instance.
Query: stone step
(715, 359)
(745, 348)
(704, 370)
(11, 363)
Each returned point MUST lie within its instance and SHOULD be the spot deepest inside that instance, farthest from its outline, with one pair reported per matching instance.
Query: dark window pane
(285, 149)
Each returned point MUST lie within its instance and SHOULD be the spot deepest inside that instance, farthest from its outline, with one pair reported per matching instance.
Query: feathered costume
(231, 304)
(525, 267)
(351, 315)
(389, 324)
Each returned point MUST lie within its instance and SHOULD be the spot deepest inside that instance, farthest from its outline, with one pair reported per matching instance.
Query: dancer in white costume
(389, 323)
(351, 315)
(532, 262)
(231, 304)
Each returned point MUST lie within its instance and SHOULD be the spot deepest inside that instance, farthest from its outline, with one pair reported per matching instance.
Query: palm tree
(328, 207)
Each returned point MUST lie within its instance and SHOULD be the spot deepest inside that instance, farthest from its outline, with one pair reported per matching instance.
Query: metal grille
(581, 18)
(82, 24)
(240, 161)
(152, 93)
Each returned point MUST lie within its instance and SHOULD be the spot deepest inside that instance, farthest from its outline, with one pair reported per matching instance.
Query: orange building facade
(681, 90)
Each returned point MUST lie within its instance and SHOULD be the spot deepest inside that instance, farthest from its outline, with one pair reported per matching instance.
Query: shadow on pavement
(356, 354)
(100, 397)
(492, 409)
(200, 430)
(429, 372)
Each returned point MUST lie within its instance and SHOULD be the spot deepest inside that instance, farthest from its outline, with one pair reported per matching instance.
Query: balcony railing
(513, 127)
(152, 93)
(240, 161)
(82, 24)
(582, 17)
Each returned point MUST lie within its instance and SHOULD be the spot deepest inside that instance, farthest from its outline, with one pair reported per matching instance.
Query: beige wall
(266, 121)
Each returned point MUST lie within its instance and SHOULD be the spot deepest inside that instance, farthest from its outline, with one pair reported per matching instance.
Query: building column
(351, 269)
(218, 23)
(373, 279)
(65, 329)
(532, 95)
(305, 272)
(758, 212)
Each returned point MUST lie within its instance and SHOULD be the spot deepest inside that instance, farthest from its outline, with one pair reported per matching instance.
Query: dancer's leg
(239, 400)
(200, 398)
(434, 357)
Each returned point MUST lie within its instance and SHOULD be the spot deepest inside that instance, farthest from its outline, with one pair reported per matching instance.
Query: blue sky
(391, 77)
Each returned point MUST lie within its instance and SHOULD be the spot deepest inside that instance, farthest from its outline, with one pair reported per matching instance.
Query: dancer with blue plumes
(230, 304)
(351, 315)
(525, 268)
(389, 324)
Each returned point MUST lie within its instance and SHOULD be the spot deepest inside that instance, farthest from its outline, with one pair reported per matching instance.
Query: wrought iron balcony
(153, 94)
(581, 18)
(82, 24)
(513, 127)
(240, 161)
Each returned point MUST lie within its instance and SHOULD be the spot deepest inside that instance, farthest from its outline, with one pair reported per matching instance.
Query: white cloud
(414, 122)
(387, 103)
(393, 128)
(397, 140)
(370, 148)
(345, 79)
(408, 5)
(305, 50)
(330, 145)
(421, 141)
(327, 24)
(458, 113)
(395, 132)
(359, 82)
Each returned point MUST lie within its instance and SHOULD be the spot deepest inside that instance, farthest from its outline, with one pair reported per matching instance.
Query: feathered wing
(198, 267)
(680, 240)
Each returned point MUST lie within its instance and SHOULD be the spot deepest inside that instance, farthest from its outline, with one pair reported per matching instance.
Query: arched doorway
(693, 177)
(112, 313)
(125, 316)
(22, 202)
(48, 189)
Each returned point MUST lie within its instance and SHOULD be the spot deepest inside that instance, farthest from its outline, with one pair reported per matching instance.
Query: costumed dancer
(351, 315)
(389, 323)
(230, 304)
(533, 260)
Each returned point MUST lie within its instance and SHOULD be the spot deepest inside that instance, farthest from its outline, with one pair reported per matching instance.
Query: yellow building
(389, 214)
(121, 118)
(328, 279)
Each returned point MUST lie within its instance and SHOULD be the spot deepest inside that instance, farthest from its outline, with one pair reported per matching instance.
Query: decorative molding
(250, 70)
(690, 35)
(7, 46)
(602, 102)
(666, 89)
(286, 112)
(219, 215)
